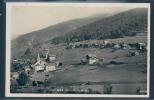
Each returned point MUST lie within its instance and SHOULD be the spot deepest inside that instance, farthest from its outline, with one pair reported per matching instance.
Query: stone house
(50, 67)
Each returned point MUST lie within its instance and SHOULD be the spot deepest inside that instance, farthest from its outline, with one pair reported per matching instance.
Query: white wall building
(50, 67)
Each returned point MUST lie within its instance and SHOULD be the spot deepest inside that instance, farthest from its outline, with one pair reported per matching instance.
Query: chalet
(92, 58)
(141, 46)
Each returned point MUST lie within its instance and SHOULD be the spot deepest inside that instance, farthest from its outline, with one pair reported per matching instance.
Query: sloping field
(125, 78)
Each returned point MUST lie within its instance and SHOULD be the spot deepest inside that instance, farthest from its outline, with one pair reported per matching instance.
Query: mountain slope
(53, 31)
(115, 26)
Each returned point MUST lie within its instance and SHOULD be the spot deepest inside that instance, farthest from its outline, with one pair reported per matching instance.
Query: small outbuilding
(134, 53)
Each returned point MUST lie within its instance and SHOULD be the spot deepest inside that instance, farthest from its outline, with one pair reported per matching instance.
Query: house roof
(141, 43)
(37, 64)
(40, 76)
(52, 55)
(91, 55)
(93, 59)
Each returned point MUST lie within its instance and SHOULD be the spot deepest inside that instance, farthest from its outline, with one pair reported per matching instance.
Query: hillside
(53, 31)
(116, 26)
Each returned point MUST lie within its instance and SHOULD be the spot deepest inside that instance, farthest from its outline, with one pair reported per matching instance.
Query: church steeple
(38, 58)
(46, 54)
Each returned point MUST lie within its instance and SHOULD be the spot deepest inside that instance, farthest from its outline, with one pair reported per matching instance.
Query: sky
(25, 19)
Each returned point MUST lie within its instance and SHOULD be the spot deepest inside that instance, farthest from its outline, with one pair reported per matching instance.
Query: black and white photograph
(77, 49)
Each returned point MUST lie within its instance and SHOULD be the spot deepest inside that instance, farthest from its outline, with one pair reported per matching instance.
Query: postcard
(77, 49)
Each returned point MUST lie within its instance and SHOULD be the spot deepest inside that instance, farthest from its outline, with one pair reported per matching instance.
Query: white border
(9, 5)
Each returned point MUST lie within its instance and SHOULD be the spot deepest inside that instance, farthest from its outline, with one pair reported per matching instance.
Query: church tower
(38, 58)
(46, 54)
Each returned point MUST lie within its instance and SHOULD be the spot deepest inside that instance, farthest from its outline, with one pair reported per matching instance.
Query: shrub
(40, 90)
(107, 89)
(22, 79)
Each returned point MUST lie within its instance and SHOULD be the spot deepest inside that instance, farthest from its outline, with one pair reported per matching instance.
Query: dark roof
(37, 65)
(91, 55)
(141, 43)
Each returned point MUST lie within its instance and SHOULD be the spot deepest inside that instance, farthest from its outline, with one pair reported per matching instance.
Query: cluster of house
(87, 44)
(106, 44)
(39, 70)
(92, 58)
(46, 63)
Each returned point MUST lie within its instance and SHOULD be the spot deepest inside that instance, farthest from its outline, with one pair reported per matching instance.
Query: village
(39, 70)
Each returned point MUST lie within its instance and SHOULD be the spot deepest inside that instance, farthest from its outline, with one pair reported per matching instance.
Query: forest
(116, 26)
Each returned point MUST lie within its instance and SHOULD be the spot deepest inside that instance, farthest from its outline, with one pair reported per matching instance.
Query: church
(44, 64)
